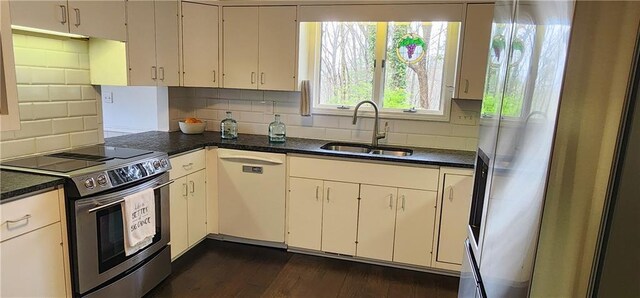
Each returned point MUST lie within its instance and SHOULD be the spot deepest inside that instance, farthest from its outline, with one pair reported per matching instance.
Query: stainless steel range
(98, 179)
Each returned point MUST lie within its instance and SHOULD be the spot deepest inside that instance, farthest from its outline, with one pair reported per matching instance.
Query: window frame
(448, 83)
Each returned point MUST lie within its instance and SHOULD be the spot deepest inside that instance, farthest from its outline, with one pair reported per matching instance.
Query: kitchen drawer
(29, 214)
(364, 172)
(187, 163)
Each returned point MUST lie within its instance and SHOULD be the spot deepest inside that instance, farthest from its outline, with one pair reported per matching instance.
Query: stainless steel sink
(362, 148)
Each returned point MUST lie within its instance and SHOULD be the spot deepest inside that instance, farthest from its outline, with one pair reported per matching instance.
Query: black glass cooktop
(76, 159)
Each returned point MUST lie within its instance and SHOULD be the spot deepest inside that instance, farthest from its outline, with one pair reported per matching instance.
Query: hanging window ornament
(411, 48)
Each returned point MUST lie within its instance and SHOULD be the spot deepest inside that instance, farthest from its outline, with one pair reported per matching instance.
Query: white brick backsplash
(76, 76)
(83, 108)
(249, 109)
(65, 93)
(240, 105)
(47, 104)
(65, 125)
(15, 148)
(30, 129)
(30, 93)
(84, 138)
(47, 75)
(45, 110)
(51, 143)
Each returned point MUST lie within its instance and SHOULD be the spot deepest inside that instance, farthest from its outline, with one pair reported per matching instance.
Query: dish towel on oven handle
(139, 216)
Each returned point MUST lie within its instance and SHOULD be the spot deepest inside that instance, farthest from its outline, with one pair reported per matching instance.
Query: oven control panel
(122, 175)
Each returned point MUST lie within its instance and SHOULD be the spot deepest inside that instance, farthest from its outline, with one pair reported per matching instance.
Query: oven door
(98, 237)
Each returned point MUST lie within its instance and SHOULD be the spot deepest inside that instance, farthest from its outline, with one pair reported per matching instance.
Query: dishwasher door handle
(252, 158)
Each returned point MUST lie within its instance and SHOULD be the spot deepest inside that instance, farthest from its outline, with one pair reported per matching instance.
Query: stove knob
(156, 164)
(102, 180)
(89, 183)
(164, 163)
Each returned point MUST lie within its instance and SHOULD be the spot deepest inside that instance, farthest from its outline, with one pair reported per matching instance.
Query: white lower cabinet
(305, 213)
(376, 222)
(415, 219)
(178, 194)
(340, 217)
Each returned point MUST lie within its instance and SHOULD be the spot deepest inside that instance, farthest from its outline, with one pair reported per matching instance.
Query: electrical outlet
(107, 97)
(465, 118)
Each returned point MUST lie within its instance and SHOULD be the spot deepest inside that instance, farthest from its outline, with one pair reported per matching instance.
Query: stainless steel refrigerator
(526, 84)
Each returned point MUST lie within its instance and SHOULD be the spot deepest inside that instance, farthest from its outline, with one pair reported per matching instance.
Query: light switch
(107, 97)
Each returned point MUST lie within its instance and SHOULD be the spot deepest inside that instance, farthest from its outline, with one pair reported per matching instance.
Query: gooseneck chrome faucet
(376, 135)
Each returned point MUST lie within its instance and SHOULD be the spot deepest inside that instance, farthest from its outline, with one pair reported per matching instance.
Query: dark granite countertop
(176, 142)
(14, 184)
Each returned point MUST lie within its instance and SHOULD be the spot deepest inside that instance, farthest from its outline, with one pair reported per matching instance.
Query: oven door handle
(100, 207)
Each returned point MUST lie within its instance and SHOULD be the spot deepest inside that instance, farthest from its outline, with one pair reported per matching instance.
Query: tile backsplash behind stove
(254, 111)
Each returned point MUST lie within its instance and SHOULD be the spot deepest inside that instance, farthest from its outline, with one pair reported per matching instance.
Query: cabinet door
(166, 35)
(277, 48)
(141, 43)
(305, 213)
(32, 264)
(415, 221)
(197, 204)
(454, 218)
(240, 47)
(178, 216)
(376, 222)
(475, 50)
(102, 19)
(200, 45)
(48, 15)
(340, 217)
(9, 112)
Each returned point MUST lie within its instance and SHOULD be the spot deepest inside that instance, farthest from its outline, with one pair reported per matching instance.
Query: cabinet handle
(402, 202)
(187, 166)
(317, 192)
(154, 72)
(214, 76)
(253, 77)
(24, 218)
(466, 86)
(161, 73)
(262, 78)
(193, 186)
(451, 193)
(186, 191)
(390, 201)
(328, 193)
(77, 10)
(63, 8)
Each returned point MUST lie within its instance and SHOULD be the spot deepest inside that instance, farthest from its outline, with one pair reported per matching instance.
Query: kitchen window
(407, 68)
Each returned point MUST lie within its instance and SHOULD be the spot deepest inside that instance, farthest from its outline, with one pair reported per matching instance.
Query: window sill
(368, 113)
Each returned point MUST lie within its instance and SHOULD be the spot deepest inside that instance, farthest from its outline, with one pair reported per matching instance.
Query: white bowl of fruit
(192, 126)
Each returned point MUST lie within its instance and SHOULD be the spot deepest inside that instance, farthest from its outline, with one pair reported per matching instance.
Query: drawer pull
(25, 218)
(188, 166)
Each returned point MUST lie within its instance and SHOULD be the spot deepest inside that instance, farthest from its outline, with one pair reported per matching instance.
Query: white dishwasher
(251, 189)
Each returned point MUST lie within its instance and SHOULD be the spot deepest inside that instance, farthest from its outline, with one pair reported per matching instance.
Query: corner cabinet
(255, 55)
(475, 51)
(188, 202)
(453, 217)
(200, 45)
(152, 43)
(101, 19)
(34, 258)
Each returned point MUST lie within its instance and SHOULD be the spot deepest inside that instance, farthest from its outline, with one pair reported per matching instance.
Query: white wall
(59, 109)
(254, 111)
(134, 109)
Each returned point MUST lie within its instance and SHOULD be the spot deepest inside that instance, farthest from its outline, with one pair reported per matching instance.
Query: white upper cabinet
(47, 15)
(277, 48)
(141, 44)
(101, 19)
(200, 45)
(9, 112)
(240, 47)
(475, 51)
(376, 222)
(259, 47)
(152, 43)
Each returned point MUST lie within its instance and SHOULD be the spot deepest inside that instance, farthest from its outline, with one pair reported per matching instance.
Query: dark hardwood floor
(225, 269)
